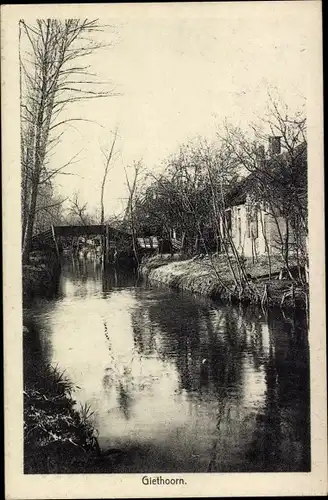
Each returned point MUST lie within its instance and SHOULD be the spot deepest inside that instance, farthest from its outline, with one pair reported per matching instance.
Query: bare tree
(278, 181)
(78, 211)
(52, 77)
(130, 210)
(108, 155)
(49, 209)
(221, 174)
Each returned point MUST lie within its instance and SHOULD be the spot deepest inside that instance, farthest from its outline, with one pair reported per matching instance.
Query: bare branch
(57, 170)
(108, 158)
(56, 204)
(75, 120)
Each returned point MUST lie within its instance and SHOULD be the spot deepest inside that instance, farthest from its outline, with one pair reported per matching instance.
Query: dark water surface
(179, 384)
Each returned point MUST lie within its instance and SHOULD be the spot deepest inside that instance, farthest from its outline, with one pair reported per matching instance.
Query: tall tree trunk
(130, 207)
(134, 239)
(27, 244)
(282, 242)
(108, 157)
(45, 90)
(266, 243)
(286, 243)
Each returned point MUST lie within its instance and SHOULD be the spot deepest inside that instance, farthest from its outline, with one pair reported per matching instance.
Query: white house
(253, 227)
(253, 230)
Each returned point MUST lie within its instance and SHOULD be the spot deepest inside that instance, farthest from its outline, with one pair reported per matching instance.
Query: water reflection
(176, 382)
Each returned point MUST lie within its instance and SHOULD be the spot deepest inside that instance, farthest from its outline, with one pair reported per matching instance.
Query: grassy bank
(211, 277)
(59, 435)
(40, 275)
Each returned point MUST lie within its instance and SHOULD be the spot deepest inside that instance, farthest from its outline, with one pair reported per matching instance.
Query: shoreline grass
(59, 437)
(40, 277)
(200, 276)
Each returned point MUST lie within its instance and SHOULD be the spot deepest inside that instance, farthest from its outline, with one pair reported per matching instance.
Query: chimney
(274, 145)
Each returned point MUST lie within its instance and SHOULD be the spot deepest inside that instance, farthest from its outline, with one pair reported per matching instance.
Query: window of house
(265, 224)
(228, 220)
(255, 224)
(238, 224)
(239, 230)
(248, 221)
(252, 222)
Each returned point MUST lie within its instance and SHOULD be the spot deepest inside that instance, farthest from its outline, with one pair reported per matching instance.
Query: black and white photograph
(162, 243)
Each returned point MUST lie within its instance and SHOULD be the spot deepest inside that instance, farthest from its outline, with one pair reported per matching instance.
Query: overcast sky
(179, 78)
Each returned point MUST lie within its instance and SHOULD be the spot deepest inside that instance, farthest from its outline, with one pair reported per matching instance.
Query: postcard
(163, 228)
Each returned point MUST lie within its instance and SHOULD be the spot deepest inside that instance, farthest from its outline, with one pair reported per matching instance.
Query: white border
(23, 486)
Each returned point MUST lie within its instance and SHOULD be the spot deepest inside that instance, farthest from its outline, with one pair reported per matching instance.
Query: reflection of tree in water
(264, 451)
(169, 329)
(81, 272)
(230, 370)
(109, 377)
(190, 339)
(109, 281)
(209, 348)
(143, 332)
(292, 361)
(36, 354)
(251, 322)
(281, 440)
(125, 399)
(113, 279)
(121, 380)
(222, 415)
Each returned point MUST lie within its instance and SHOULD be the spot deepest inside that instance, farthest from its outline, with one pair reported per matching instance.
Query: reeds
(58, 436)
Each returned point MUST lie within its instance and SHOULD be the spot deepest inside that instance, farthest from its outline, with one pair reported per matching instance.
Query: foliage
(51, 78)
(49, 209)
(189, 199)
(60, 435)
(181, 197)
(276, 179)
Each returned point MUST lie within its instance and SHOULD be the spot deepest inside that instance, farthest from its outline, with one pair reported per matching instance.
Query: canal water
(178, 383)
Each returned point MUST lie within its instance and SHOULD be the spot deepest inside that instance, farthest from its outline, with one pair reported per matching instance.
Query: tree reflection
(124, 399)
(241, 372)
(212, 347)
(143, 332)
(36, 354)
(193, 341)
(281, 440)
(115, 377)
(114, 279)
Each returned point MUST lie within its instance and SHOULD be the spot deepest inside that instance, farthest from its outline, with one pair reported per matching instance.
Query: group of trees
(53, 74)
(189, 198)
(277, 183)
(188, 194)
(191, 195)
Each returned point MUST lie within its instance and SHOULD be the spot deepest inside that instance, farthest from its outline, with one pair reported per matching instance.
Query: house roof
(274, 167)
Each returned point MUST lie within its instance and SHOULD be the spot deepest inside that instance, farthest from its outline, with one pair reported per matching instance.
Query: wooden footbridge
(50, 238)
(112, 238)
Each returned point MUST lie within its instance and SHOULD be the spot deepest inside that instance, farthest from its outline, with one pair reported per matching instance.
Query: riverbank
(130, 347)
(40, 275)
(211, 277)
(59, 434)
(59, 437)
